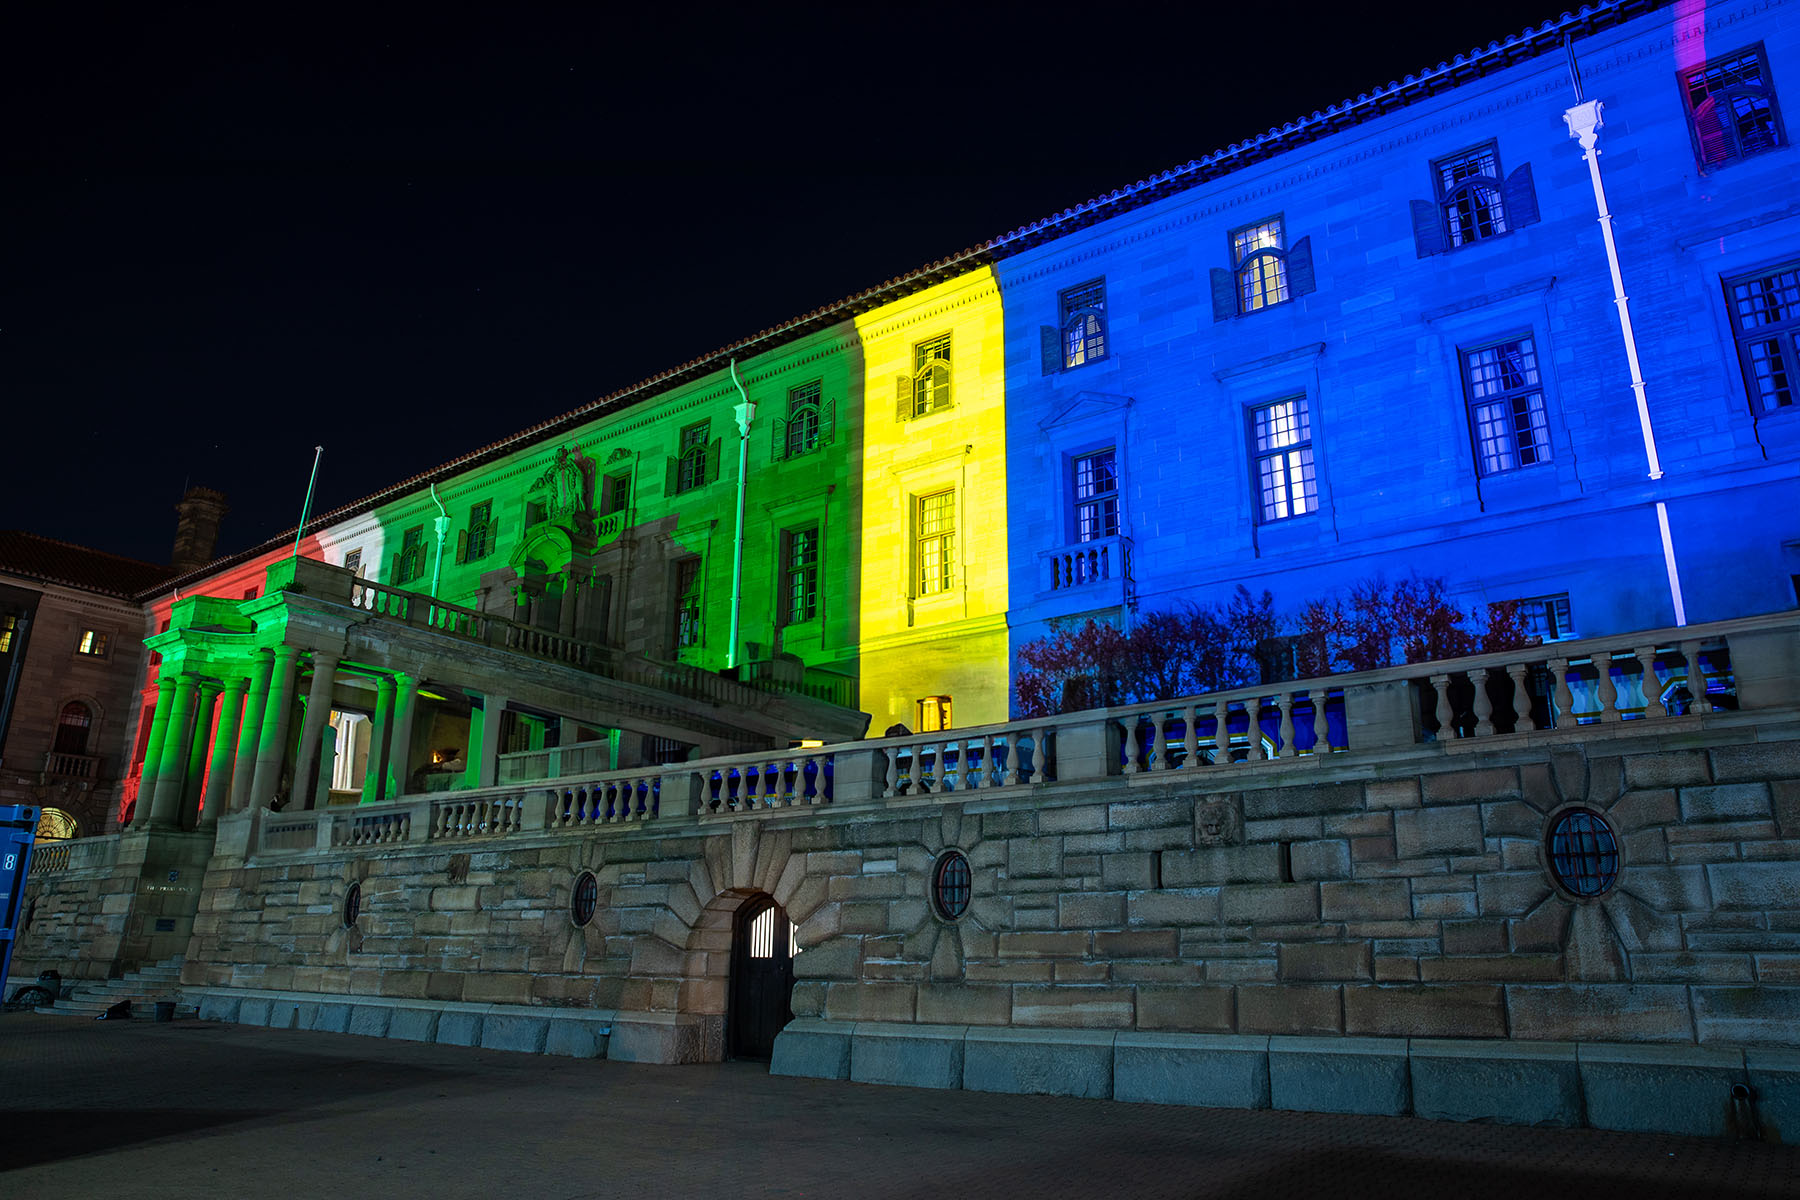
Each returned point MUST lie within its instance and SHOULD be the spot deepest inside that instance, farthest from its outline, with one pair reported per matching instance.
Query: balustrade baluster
(1261, 748)
(1158, 759)
(1484, 703)
(1446, 717)
(1040, 754)
(1522, 722)
(928, 782)
(1696, 678)
(1286, 729)
(1650, 683)
(1129, 742)
(1012, 759)
(1321, 726)
(1562, 697)
(1608, 691)
(1190, 737)
(1222, 735)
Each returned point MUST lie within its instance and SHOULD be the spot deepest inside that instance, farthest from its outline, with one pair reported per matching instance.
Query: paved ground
(132, 1109)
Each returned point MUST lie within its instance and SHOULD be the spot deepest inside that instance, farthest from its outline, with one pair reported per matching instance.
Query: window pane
(1506, 406)
(1469, 191)
(1281, 439)
(936, 523)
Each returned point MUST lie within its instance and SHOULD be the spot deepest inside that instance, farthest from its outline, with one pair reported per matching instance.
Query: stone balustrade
(81, 854)
(747, 783)
(1084, 564)
(71, 766)
(608, 800)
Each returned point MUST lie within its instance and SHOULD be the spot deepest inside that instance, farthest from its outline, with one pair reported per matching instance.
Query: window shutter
(1301, 279)
(1224, 294)
(903, 397)
(1521, 198)
(778, 447)
(712, 460)
(669, 488)
(1050, 348)
(827, 422)
(462, 547)
(1428, 228)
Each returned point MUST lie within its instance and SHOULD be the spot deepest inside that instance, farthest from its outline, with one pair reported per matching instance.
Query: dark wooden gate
(762, 978)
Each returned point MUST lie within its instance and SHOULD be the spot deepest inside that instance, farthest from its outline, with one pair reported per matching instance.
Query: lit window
(801, 433)
(1083, 324)
(687, 603)
(1765, 313)
(800, 575)
(1546, 617)
(1281, 447)
(693, 461)
(934, 714)
(927, 389)
(1731, 108)
(93, 642)
(1096, 496)
(1471, 196)
(1259, 265)
(1506, 406)
(409, 564)
(934, 520)
(9, 629)
(477, 541)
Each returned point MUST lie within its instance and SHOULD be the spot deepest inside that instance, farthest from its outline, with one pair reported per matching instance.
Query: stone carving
(1217, 822)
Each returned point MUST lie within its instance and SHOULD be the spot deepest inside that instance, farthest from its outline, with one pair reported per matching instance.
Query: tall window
(93, 642)
(1257, 261)
(1471, 196)
(477, 541)
(9, 629)
(615, 493)
(1506, 406)
(1731, 108)
(930, 382)
(803, 419)
(1096, 496)
(409, 564)
(690, 462)
(72, 728)
(1281, 447)
(1765, 312)
(799, 575)
(934, 523)
(687, 603)
(1083, 311)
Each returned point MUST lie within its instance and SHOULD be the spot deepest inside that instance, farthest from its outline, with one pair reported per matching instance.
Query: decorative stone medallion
(1217, 821)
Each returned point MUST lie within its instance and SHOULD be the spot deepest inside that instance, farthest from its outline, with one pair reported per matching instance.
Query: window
(950, 885)
(1256, 259)
(1096, 496)
(687, 603)
(250, 593)
(93, 642)
(353, 563)
(934, 714)
(927, 389)
(615, 493)
(807, 425)
(584, 899)
(1583, 853)
(1546, 617)
(696, 461)
(9, 629)
(1474, 203)
(72, 728)
(799, 600)
(1731, 108)
(1506, 406)
(477, 541)
(934, 524)
(1083, 322)
(409, 564)
(1765, 315)
(1281, 446)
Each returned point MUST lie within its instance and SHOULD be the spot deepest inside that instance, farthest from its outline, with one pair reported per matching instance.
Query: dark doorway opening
(762, 978)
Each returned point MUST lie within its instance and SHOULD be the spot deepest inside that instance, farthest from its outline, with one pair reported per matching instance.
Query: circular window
(1584, 855)
(586, 896)
(950, 885)
(352, 905)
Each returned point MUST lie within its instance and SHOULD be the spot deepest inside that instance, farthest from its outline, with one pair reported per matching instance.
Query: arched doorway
(762, 978)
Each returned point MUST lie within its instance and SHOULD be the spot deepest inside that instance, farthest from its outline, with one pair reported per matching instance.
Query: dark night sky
(227, 236)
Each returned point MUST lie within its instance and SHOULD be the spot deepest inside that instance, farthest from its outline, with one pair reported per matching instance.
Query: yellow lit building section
(934, 553)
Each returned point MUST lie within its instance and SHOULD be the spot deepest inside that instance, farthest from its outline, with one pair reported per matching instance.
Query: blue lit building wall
(1377, 348)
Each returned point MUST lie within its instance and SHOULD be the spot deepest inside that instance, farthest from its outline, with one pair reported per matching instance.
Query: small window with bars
(1506, 406)
(1731, 108)
(1282, 459)
(1765, 318)
(927, 389)
(799, 575)
(687, 603)
(1096, 484)
(1083, 324)
(934, 525)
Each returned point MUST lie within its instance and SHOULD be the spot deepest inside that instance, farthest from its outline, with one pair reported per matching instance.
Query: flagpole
(305, 509)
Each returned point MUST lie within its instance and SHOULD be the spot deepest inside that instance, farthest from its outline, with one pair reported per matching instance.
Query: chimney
(197, 528)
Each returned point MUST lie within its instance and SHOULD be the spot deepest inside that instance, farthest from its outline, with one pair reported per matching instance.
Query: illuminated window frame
(1471, 194)
(933, 714)
(1738, 82)
(1259, 264)
(1281, 459)
(93, 643)
(691, 456)
(478, 539)
(802, 432)
(1509, 422)
(799, 600)
(934, 542)
(931, 376)
(1094, 479)
(1765, 320)
(1082, 319)
(9, 632)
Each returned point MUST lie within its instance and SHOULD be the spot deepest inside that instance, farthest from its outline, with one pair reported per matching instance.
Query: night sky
(225, 239)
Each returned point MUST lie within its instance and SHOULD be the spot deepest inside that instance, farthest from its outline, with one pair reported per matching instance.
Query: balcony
(82, 767)
(1090, 573)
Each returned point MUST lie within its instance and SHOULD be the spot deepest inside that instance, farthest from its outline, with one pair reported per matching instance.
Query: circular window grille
(950, 885)
(352, 905)
(587, 895)
(1584, 855)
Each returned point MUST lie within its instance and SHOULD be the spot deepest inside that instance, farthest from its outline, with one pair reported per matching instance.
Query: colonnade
(218, 742)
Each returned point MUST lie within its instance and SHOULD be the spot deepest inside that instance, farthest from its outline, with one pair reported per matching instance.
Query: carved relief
(1217, 821)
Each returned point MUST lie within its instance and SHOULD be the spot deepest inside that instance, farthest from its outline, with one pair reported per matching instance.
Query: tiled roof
(1464, 68)
(50, 561)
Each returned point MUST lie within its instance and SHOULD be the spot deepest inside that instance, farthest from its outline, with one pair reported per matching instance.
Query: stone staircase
(143, 987)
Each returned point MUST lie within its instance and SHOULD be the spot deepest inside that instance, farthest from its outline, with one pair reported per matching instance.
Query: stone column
(159, 729)
(380, 741)
(219, 770)
(197, 748)
(243, 770)
(399, 761)
(487, 767)
(171, 768)
(271, 737)
(312, 733)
